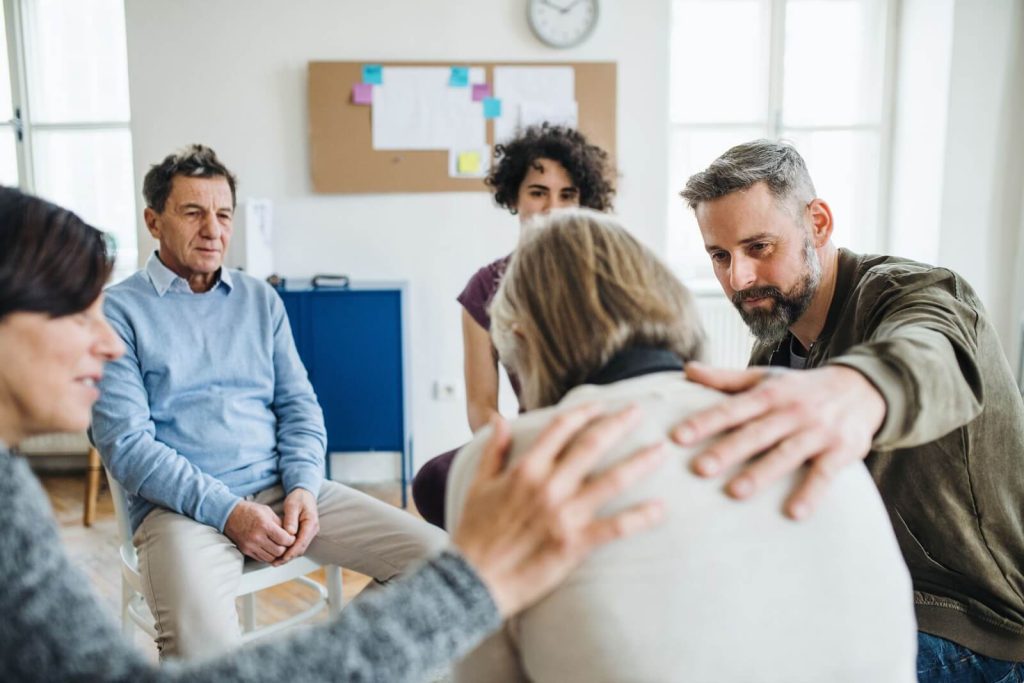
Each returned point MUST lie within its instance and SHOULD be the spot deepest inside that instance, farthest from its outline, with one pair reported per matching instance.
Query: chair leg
(92, 487)
(127, 626)
(335, 594)
(248, 613)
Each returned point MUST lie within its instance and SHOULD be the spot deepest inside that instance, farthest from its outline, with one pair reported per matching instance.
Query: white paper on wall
(536, 113)
(416, 108)
(550, 89)
(252, 246)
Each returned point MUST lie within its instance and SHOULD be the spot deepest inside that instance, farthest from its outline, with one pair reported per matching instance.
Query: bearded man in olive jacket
(903, 370)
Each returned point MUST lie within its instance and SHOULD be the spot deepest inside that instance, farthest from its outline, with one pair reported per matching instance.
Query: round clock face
(562, 23)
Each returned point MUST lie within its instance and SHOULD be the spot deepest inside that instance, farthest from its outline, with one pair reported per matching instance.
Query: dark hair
(51, 261)
(195, 161)
(586, 164)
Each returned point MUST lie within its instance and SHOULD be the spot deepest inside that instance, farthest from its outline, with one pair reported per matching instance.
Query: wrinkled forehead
(212, 191)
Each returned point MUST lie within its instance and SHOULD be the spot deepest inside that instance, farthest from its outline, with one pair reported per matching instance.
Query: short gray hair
(777, 164)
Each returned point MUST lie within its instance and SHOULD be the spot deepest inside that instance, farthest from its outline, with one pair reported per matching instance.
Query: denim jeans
(943, 661)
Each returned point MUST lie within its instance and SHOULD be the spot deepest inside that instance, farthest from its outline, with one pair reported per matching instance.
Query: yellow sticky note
(469, 162)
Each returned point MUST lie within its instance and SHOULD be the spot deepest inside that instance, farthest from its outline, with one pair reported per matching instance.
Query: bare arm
(480, 367)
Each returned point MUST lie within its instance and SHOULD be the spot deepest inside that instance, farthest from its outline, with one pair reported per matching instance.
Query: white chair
(256, 576)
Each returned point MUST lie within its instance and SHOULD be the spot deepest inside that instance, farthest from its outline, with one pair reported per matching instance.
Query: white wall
(232, 74)
(959, 149)
(919, 130)
(981, 208)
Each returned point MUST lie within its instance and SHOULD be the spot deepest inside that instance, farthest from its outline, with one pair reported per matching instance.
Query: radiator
(728, 339)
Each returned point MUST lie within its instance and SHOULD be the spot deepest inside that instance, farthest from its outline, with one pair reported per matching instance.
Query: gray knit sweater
(52, 627)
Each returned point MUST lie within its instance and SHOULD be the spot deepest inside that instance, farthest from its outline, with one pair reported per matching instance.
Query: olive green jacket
(949, 456)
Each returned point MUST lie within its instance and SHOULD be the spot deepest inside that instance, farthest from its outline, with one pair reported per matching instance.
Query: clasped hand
(260, 534)
(824, 418)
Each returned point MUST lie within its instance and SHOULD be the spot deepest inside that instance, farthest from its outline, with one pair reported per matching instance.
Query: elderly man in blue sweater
(210, 424)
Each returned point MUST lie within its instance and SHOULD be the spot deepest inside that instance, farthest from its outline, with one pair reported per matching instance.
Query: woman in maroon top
(545, 168)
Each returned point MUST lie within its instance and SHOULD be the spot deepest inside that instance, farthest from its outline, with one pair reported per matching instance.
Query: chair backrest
(124, 528)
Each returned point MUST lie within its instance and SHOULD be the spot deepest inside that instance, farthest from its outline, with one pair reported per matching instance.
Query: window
(815, 72)
(65, 132)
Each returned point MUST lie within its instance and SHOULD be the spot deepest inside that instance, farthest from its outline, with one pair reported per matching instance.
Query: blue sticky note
(492, 107)
(459, 77)
(372, 74)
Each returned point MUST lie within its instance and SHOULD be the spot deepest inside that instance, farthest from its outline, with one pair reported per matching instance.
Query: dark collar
(636, 361)
(846, 271)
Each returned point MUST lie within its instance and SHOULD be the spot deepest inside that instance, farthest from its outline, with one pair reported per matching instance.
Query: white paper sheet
(535, 113)
(414, 108)
(541, 89)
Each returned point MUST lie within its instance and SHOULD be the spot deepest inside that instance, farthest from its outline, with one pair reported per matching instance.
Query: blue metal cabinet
(353, 343)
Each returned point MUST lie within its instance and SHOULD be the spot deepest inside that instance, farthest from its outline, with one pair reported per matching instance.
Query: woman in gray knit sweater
(523, 527)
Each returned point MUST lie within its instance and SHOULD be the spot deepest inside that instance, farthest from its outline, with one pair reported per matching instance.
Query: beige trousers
(191, 571)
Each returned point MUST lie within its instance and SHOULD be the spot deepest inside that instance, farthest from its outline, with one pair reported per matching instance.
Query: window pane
(718, 58)
(844, 166)
(90, 172)
(6, 111)
(77, 60)
(834, 63)
(692, 151)
(8, 157)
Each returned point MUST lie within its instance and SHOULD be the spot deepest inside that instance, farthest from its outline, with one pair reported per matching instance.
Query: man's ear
(820, 214)
(150, 217)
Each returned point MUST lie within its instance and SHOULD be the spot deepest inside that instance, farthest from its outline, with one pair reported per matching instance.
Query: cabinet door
(354, 357)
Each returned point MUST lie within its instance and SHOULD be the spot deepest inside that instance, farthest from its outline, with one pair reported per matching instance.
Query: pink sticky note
(362, 93)
(481, 91)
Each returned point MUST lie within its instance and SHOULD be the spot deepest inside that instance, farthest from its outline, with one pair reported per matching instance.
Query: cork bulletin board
(342, 158)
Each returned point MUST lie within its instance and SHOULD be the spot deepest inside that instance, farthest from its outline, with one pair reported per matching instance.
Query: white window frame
(773, 128)
(23, 122)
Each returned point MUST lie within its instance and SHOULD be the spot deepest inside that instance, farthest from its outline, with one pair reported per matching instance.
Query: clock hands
(561, 10)
(553, 6)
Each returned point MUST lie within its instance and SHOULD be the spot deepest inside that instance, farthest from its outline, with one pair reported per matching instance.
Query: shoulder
(481, 288)
(487, 278)
(893, 276)
(254, 294)
(128, 297)
(663, 398)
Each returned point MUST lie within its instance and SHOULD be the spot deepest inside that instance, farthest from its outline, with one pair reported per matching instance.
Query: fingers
(559, 432)
(307, 532)
(730, 413)
(278, 536)
(265, 551)
(291, 515)
(729, 381)
(779, 462)
(618, 478)
(744, 443)
(806, 498)
(628, 522)
(493, 459)
(588, 448)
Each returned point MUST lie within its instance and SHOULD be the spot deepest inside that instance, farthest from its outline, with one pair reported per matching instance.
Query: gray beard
(771, 326)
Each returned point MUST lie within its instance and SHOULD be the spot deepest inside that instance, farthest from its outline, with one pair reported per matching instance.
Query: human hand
(525, 527)
(257, 531)
(825, 418)
(302, 520)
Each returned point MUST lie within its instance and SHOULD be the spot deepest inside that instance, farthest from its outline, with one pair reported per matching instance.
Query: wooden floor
(95, 551)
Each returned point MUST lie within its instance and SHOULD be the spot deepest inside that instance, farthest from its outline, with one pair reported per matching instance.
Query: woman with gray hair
(720, 592)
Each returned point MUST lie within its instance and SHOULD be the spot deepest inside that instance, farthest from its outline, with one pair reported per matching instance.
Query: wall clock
(562, 23)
